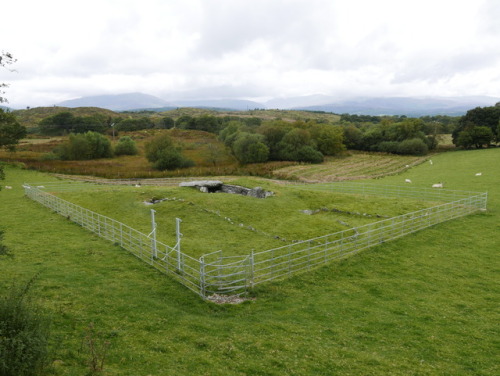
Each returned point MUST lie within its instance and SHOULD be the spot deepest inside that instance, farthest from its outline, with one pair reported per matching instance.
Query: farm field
(425, 304)
(357, 165)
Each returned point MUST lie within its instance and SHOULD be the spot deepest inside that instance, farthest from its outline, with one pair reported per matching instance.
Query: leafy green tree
(250, 148)
(167, 122)
(164, 155)
(90, 145)
(477, 117)
(207, 123)
(10, 130)
(126, 146)
(65, 122)
(308, 154)
(413, 146)
(352, 136)
(274, 132)
(229, 134)
(185, 122)
(328, 138)
(134, 124)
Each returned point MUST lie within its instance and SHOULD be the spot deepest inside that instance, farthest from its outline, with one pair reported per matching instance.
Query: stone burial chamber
(216, 186)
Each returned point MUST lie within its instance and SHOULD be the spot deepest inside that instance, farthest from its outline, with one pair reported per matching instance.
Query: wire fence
(216, 274)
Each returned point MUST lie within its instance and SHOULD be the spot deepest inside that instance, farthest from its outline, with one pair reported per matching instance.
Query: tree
(10, 130)
(5, 60)
(65, 122)
(166, 122)
(164, 155)
(328, 138)
(135, 124)
(477, 117)
(250, 148)
(126, 146)
(90, 145)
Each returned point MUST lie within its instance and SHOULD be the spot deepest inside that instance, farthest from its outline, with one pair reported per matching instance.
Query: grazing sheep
(407, 166)
(479, 174)
(40, 186)
(407, 181)
(137, 186)
(430, 161)
(8, 187)
(437, 185)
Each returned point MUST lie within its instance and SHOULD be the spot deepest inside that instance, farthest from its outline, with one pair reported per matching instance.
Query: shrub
(164, 155)
(170, 159)
(308, 154)
(250, 148)
(414, 146)
(24, 334)
(388, 146)
(90, 145)
(134, 124)
(126, 146)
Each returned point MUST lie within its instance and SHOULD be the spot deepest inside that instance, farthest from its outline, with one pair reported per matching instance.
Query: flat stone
(201, 183)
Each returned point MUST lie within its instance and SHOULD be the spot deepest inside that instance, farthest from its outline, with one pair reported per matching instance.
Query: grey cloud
(432, 69)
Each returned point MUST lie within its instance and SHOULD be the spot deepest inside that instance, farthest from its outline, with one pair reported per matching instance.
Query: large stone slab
(202, 183)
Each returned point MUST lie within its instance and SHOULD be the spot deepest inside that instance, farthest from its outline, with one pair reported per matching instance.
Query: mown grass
(426, 304)
(352, 166)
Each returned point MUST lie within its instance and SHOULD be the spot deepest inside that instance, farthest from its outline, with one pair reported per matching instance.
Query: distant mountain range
(409, 106)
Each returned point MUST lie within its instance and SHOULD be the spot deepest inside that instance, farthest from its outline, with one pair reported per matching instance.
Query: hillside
(31, 117)
(117, 102)
(408, 106)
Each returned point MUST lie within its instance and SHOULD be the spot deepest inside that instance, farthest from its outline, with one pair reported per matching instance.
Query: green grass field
(426, 304)
(238, 224)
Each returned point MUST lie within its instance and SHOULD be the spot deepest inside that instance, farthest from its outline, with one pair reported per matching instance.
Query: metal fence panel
(214, 273)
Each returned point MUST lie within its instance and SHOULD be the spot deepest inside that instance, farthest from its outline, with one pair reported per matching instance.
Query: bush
(388, 146)
(164, 155)
(308, 154)
(131, 125)
(126, 146)
(171, 159)
(24, 334)
(414, 146)
(250, 148)
(90, 145)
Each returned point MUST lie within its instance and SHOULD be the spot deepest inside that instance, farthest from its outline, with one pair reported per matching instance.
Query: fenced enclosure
(215, 273)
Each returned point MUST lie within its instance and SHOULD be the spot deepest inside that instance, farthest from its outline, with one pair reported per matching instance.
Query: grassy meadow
(426, 304)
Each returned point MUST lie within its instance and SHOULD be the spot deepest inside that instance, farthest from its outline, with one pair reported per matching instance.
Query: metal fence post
(153, 235)
(178, 245)
(202, 277)
(251, 260)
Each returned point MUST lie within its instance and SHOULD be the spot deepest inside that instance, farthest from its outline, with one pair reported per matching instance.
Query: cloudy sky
(252, 49)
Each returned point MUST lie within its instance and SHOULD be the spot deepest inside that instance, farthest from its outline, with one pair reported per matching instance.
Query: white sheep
(479, 174)
(137, 186)
(430, 161)
(8, 187)
(437, 185)
(407, 181)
